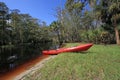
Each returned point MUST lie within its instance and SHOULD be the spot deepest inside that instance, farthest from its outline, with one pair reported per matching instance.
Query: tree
(4, 28)
(109, 12)
(114, 10)
(75, 18)
(22, 29)
(17, 31)
(71, 19)
(55, 26)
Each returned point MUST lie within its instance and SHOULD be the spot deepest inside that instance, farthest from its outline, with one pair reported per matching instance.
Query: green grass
(98, 63)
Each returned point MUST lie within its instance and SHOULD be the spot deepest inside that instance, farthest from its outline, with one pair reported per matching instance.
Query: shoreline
(33, 68)
(28, 67)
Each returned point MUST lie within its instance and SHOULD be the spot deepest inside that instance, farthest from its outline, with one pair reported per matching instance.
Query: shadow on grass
(84, 52)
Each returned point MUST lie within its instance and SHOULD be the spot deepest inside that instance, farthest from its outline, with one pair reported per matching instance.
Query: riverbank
(100, 62)
(34, 68)
(29, 67)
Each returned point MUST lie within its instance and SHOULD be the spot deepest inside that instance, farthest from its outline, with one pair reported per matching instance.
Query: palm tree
(109, 13)
(114, 10)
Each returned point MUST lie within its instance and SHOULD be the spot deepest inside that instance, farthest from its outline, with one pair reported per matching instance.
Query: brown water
(11, 74)
(14, 60)
(11, 58)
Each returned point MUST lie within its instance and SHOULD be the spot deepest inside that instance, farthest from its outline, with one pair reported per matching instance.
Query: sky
(43, 10)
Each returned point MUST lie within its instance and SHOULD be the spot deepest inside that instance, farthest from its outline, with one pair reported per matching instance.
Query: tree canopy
(17, 28)
(91, 17)
(96, 21)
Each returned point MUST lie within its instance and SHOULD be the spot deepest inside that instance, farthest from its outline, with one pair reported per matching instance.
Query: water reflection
(13, 57)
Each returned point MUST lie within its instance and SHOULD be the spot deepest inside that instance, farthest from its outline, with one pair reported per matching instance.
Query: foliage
(4, 28)
(76, 18)
(55, 27)
(75, 23)
(91, 36)
(110, 15)
(97, 36)
(22, 28)
(107, 38)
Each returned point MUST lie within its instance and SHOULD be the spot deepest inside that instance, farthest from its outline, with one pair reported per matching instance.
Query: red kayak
(79, 48)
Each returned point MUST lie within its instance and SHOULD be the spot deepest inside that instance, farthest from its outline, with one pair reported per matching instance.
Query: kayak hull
(78, 48)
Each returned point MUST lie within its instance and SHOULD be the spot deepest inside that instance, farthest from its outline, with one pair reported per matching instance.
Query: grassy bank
(98, 63)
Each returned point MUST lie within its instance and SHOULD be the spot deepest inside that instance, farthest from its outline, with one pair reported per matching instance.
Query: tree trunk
(117, 36)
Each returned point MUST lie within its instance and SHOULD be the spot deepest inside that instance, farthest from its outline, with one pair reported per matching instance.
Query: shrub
(91, 36)
(98, 36)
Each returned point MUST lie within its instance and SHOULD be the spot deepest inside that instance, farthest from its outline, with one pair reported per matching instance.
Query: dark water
(11, 57)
